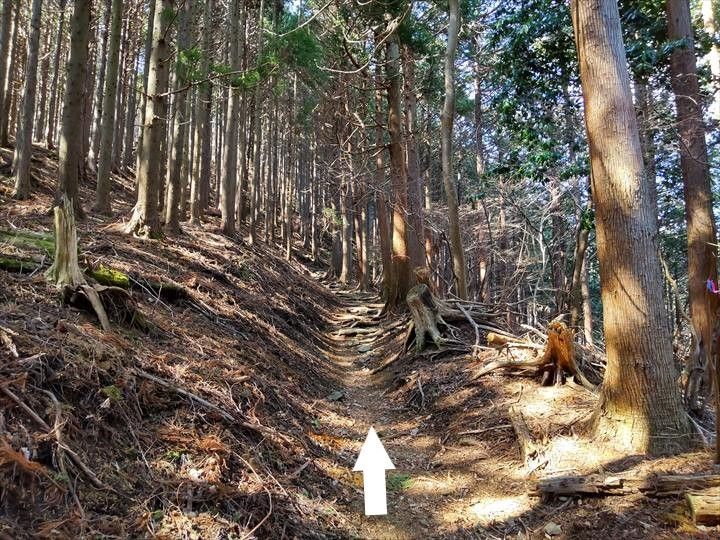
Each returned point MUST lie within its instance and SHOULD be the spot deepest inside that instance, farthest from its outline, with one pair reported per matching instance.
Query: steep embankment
(195, 423)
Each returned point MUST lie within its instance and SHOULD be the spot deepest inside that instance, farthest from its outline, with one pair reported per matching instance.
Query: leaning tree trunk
(701, 236)
(145, 220)
(71, 137)
(447, 117)
(102, 194)
(640, 408)
(23, 138)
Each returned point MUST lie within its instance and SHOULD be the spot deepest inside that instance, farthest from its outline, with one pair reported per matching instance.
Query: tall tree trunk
(640, 408)
(5, 34)
(99, 89)
(177, 151)
(10, 52)
(702, 263)
(380, 190)
(710, 25)
(447, 118)
(54, 89)
(41, 108)
(102, 193)
(23, 138)
(152, 8)
(229, 168)
(400, 281)
(416, 233)
(145, 219)
(71, 138)
(257, 136)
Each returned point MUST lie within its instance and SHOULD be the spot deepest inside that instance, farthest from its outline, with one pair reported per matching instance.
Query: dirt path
(458, 470)
(425, 498)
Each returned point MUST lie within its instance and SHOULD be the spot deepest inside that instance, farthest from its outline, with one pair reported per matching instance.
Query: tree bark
(54, 89)
(416, 234)
(102, 193)
(99, 88)
(5, 33)
(71, 137)
(8, 53)
(177, 151)
(640, 408)
(447, 118)
(145, 219)
(701, 235)
(400, 276)
(23, 138)
(710, 25)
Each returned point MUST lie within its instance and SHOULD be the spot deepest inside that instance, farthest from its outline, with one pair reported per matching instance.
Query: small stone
(366, 347)
(335, 396)
(553, 529)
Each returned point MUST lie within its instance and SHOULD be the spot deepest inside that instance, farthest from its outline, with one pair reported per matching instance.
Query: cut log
(705, 507)
(529, 450)
(604, 485)
(425, 314)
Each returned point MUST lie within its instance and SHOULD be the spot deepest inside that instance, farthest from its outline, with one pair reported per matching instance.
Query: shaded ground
(285, 363)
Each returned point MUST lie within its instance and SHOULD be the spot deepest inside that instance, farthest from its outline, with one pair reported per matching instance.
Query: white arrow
(373, 461)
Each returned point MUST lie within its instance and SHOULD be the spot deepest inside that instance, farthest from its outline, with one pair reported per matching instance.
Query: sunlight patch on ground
(493, 509)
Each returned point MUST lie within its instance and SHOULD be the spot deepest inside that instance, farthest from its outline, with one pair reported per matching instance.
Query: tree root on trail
(430, 314)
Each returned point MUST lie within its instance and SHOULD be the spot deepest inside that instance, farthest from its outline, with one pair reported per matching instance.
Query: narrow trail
(420, 498)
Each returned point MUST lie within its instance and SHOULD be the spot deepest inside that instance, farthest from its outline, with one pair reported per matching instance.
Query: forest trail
(424, 500)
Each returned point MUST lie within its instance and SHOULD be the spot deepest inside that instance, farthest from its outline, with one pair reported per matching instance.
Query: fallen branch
(73, 456)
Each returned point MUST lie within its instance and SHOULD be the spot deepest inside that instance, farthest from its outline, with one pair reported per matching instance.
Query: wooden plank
(705, 507)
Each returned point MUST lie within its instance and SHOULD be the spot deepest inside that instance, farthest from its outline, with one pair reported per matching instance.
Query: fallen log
(605, 485)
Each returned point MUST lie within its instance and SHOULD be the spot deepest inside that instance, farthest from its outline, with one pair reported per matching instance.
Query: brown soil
(277, 355)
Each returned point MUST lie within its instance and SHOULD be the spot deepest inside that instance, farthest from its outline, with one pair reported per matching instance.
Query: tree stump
(426, 316)
(65, 270)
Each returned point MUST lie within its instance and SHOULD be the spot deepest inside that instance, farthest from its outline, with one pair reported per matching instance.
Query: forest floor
(239, 408)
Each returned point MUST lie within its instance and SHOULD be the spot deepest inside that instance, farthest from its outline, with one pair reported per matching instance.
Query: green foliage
(399, 481)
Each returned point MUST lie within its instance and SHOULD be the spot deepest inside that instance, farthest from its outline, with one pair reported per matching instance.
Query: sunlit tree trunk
(54, 89)
(447, 119)
(702, 262)
(107, 124)
(23, 138)
(177, 150)
(400, 280)
(640, 408)
(257, 136)
(710, 25)
(71, 138)
(145, 219)
(416, 234)
(99, 88)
